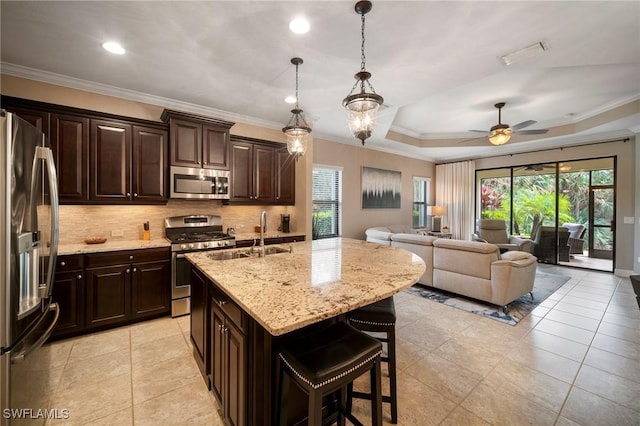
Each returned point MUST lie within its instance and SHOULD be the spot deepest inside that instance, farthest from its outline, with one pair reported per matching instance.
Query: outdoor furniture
(494, 231)
(576, 235)
(544, 244)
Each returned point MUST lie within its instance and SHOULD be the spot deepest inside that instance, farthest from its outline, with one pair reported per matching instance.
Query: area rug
(544, 285)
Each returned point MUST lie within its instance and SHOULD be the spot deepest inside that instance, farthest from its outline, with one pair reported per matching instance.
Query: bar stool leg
(315, 408)
(391, 365)
(376, 394)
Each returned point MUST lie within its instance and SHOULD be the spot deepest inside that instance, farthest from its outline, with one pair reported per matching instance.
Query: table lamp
(436, 213)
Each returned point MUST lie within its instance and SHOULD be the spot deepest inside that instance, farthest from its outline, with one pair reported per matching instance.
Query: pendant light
(297, 130)
(362, 107)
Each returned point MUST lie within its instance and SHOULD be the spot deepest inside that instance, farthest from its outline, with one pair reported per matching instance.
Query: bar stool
(379, 317)
(324, 362)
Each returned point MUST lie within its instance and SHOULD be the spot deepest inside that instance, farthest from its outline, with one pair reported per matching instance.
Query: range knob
(206, 244)
(183, 246)
(191, 245)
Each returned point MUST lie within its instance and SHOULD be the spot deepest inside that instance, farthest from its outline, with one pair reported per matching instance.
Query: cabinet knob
(128, 270)
(255, 198)
(135, 195)
(222, 302)
(63, 263)
(135, 269)
(128, 194)
(131, 257)
(79, 277)
(205, 163)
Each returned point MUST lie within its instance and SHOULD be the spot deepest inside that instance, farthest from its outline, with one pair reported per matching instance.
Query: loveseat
(469, 268)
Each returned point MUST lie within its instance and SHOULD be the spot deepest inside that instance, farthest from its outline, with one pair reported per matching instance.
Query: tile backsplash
(80, 222)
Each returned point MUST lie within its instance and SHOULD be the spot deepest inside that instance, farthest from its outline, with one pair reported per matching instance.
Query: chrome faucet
(263, 225)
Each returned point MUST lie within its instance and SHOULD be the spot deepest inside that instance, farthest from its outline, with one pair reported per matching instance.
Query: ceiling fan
(535, 167)
(501, 133)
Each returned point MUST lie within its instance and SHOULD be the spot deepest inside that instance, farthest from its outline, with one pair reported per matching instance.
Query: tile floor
(574, 361)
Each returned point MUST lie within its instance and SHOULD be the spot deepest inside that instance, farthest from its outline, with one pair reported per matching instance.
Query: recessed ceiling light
(299, 25)
(113, 47)
(290, 99)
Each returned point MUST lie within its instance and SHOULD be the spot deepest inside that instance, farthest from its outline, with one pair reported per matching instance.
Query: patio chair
(544, 244)
(576, 237)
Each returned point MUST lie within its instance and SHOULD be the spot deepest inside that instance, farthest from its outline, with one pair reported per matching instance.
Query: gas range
(188, 234)
(197, 232)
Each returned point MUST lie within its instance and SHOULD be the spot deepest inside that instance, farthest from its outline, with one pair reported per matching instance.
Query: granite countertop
(110, 245)
(320, 279)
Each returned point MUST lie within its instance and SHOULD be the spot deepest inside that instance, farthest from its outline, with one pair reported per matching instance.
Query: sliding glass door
(566, 208)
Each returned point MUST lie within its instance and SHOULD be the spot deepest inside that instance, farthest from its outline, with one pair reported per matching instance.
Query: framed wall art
(381, 189)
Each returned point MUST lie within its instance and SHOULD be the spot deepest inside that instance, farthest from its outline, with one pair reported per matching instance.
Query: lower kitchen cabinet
(228, 356)
(199, 319)
(68, 293)
(127, 285)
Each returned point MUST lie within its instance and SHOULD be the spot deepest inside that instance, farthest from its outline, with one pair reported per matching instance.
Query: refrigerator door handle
(46, 154)
(24, 352)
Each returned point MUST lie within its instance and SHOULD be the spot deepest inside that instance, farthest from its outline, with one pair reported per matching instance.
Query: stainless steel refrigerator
(28, 244)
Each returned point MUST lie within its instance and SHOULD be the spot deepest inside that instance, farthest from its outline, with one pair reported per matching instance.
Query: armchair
(544, 244)
(576, 237)
(494, 231)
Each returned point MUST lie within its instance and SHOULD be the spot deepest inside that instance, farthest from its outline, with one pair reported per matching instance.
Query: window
(327, 202)
(420, 198)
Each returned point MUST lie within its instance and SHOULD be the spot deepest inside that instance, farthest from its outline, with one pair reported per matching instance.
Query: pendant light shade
(297, 130)
(362, 107)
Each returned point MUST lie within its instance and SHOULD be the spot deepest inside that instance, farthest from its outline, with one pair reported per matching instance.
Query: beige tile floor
(574, 361)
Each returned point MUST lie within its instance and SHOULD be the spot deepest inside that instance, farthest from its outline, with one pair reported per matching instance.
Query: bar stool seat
(326, 361)
(379, 317)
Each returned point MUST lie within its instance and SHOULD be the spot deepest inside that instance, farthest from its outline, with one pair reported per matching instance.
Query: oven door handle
(179, 256)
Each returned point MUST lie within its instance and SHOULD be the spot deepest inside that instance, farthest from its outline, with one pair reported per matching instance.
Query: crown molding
(131, 95)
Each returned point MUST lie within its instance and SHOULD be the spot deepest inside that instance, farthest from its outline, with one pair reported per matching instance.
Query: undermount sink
(228, 254)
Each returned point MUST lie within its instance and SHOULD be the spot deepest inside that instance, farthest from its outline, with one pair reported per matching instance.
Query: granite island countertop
(318, 280)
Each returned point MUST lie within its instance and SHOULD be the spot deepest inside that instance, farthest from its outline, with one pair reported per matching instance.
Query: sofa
(469, 268)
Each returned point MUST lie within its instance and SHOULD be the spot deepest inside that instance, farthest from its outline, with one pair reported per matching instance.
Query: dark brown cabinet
(199, 318)
(68, 293)
(285, 178)
(70, 144)
(198, 141)
(128, 163)
(126, 285)
(228, 356)
(151, 288)
(110, 171)
(101, 158)
(253, 173)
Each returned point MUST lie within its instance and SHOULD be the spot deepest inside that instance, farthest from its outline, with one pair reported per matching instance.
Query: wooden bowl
(95, 240)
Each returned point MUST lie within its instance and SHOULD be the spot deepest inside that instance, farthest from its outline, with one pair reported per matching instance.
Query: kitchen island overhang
(277, 295)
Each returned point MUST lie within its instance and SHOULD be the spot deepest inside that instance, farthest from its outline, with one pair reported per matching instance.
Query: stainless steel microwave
(198, 183)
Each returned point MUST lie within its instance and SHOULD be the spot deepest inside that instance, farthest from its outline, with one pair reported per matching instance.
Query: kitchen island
(242, 308)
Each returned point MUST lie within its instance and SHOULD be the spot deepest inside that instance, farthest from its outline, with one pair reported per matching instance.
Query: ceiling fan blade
(480, 131)
(532, 132)
(523, 124)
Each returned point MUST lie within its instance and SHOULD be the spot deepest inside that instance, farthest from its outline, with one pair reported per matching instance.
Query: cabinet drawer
(69, 263)
(126, 256)
(230, 308)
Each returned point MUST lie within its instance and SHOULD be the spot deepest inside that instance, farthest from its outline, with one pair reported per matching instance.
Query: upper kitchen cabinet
(101, 158)
(70, 144)
(260, 172)
(198, 141)
(128, 162)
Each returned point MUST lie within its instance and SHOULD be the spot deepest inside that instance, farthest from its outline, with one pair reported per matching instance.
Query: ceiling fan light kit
(297, 131)
(362, 107)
